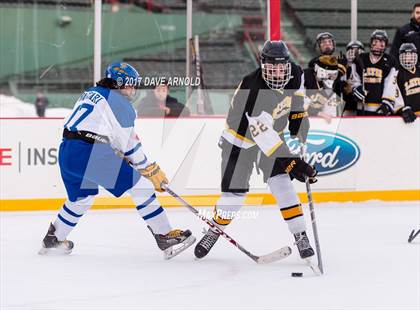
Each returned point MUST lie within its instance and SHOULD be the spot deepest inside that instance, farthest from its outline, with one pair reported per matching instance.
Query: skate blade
(54, 251)
(172, 251)
(313, 266)
(275, 256)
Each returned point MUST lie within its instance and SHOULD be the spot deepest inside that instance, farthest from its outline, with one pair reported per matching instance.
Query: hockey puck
(297, 274)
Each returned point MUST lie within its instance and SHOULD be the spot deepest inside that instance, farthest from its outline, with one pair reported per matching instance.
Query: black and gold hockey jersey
(378, 79)
(408, 89)
(253, 96)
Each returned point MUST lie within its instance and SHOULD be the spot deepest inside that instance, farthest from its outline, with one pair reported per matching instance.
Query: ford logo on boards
(329, 152)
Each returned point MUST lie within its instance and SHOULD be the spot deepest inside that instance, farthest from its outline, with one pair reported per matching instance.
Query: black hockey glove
(408, 115)
(359, 93)
(385, 108)
(298, 169)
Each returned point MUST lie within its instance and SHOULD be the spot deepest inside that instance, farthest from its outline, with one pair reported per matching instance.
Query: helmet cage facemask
(129, 92)
(408, 60)
(275, 73)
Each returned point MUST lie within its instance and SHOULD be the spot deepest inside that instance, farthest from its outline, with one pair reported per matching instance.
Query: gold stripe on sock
(219, 220)
(292, 212)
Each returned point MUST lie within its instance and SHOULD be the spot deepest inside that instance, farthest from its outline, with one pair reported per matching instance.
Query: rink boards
(358, 158)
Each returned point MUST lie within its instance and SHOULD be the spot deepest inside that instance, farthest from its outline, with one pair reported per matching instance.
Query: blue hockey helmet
(124, 75)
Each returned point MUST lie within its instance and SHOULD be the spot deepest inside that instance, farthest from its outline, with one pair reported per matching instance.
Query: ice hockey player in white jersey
(101, 148)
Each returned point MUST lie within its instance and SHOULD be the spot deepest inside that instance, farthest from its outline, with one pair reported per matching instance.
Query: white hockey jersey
(107, 113)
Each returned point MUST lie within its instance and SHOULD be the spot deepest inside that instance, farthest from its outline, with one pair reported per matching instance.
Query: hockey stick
(313, 219)
(263, 259)
(196, 52)
(203, 100)
(362, 66)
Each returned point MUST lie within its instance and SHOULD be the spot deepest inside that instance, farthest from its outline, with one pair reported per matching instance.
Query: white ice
(116, 264)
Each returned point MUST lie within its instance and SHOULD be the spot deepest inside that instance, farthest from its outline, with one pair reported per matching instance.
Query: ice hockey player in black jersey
(324, 88)
(325, 44)
(267, 102)
(373, 77)
(353, 49)
(408, 83)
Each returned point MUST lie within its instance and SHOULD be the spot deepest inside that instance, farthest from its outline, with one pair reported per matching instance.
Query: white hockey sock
(226, 208)
(282, 188)
(148, 206)
(69, 216)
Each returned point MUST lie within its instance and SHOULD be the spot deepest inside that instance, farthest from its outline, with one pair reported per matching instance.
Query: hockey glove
(298, 169)
(408, 115)
(359, 93)
(386, 108)
(155, 175)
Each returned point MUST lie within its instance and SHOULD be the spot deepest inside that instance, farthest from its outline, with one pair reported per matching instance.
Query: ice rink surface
(116, 263)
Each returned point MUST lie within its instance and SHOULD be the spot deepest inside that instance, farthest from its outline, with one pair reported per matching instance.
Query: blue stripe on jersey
(65, 221)
(141, 162)
(153, 214)
(71, 212)
(101, 90)
(132, 151)
(147, 202)
(122, 108)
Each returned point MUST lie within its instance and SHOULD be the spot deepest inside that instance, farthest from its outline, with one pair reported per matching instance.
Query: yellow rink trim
(209, 200)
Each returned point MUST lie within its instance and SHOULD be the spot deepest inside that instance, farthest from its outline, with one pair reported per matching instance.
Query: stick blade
(315, 268)
(275, 256)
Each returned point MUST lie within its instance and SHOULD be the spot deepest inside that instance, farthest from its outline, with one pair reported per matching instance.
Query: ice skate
(302, 243)
(52, 246)
(174, 242)
(206, 243)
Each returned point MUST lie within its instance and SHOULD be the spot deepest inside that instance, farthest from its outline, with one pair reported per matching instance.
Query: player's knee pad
(228, 204)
